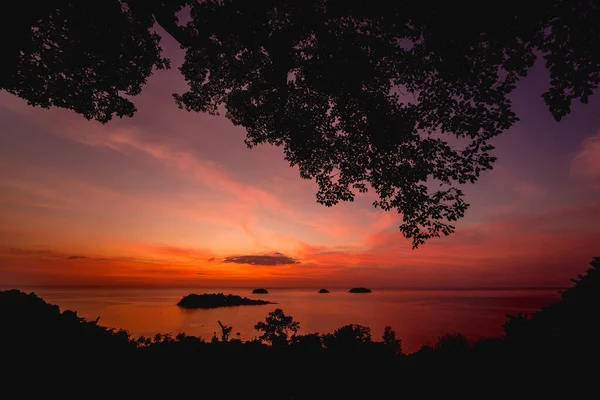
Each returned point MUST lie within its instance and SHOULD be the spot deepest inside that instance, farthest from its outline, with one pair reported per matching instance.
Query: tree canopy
(401, 98)
(277, 327)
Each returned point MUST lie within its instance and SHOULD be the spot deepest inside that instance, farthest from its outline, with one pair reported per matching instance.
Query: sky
(173, 198)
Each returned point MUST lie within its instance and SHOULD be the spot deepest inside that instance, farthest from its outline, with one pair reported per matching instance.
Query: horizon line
(404, 288)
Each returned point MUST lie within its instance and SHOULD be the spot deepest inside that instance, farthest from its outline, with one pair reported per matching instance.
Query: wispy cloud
(33, 253)
(529, 189)
(170, 252)
(586, 163)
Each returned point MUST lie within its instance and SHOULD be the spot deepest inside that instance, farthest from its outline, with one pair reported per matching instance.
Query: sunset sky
(175, 198)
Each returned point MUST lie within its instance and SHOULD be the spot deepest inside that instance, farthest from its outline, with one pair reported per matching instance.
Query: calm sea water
(417, 316)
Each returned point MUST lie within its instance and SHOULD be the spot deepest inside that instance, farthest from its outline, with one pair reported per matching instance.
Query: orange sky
(175, 198)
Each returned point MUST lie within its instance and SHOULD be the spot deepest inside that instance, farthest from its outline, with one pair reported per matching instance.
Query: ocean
(418, 316)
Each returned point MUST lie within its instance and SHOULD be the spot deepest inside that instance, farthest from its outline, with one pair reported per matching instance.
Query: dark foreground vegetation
(214, 300)
(551, 353)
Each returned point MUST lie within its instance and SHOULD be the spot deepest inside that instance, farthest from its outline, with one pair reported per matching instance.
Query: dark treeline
(552, 352)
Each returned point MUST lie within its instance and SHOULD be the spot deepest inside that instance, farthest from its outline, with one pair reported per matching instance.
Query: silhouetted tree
(85, 56)
(311, 341)
(348, 337)
(516, 326)
(142, 341)
(426, 350)
(398, 97)
(577, 315)
(225, 332)
(393, 344)
(452, 343)
(277, 327)
(571, 324)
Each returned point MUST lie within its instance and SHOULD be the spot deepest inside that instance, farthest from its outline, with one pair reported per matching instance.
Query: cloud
(34, 253)
(586, 164)
(520, 237)
(180, 252)
(125, 140)
(529, 189)
(246, 201)
(272, 259)
(50, 197)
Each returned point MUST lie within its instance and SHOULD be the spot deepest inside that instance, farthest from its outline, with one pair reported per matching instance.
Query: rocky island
(359, 290)
(214, 300)
(260, 291)
(323, 291)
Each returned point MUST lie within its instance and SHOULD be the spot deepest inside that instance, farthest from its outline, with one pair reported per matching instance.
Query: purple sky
(167, 196)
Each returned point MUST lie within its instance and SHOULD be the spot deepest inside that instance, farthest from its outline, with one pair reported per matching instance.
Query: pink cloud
(566, 233)
(127, 140)
(180, 252)
(33, 195)
(529, 189)
(248, 198)
(586, 163)
(241, 204)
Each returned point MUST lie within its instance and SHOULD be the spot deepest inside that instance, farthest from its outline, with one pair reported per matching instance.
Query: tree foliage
(452, 343)
(392, 343)
(348, 337)
(225, 331)
(574, 319)
(277, 327)
(401, 98)
(86, 56)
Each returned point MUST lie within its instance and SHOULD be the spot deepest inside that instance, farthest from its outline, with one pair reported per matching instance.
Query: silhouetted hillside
(359, 290)
(569, 325)
(31, 324)
(214, 300)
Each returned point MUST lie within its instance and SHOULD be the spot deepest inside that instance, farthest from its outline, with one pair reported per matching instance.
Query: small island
(214, 300)
(323, 291)
(359, 290)
(260, 291)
